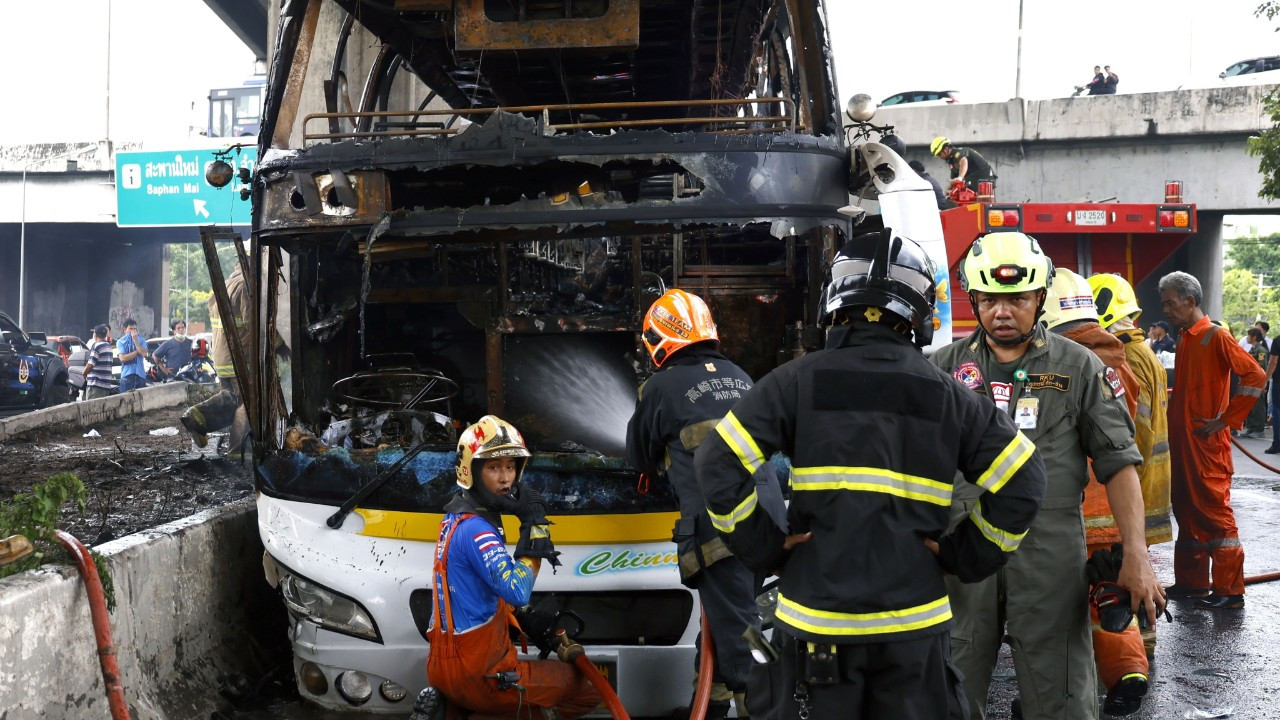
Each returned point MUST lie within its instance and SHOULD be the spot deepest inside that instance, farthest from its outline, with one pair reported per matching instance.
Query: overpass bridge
(1121, 147)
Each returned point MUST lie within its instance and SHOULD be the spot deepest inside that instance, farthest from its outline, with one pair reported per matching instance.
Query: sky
(973, 48)
(167, 54)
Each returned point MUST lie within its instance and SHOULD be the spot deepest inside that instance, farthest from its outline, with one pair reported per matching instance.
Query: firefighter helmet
(886, 271)
(1114, 298)
(938, 143)
(491, 437)
(1005, 262)
(675, 321)
(1070, 298)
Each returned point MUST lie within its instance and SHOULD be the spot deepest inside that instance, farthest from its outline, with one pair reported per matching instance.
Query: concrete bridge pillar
(1205, 261)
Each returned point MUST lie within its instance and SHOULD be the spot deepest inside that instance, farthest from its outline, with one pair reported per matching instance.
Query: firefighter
(875, 435)
(967, 165)
(226, 409)
(1118, 313)
(1072, 407)
(1203, 409)
(472, 662)
(1121, 657)
(694, 388)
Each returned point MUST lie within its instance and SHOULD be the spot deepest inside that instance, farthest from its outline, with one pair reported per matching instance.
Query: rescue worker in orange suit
(875, 435)
(1203, 409)
(1118, 313)
(472, 661)
(694, 388)
(1068, 403)
(1121, 657)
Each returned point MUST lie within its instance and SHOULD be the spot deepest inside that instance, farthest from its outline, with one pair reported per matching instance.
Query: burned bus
(471, 204)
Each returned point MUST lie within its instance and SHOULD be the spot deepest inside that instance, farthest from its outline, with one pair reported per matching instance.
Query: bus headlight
(326, 608)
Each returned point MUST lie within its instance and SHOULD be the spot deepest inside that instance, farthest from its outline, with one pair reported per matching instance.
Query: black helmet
(886, 271)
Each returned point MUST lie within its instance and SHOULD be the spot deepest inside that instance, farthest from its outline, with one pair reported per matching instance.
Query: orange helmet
(674, 321)
(491, 437)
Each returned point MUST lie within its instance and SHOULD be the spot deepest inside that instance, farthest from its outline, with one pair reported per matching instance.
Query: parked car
(64, 345)
(31, 373)
(1254, 71)
(922, 98)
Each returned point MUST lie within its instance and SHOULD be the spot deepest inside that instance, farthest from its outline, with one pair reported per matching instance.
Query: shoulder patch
(1112, 379)
(969, 375)
(1054, 381)
(711, 367)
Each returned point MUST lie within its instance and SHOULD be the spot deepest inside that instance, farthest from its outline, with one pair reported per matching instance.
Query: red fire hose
(706, 667)
(573, 652)
(101, 625)
(1251, 456)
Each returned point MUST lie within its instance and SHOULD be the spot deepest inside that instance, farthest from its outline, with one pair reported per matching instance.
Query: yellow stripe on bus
(565, 529)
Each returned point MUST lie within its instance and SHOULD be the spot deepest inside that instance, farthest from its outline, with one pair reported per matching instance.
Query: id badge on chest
(1026, 412)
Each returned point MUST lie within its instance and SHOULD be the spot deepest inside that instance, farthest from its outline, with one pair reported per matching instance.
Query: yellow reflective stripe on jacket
(726, 523)
(225, 370)
(1007, 463)
(869, 479)
(215, 322)
(740, 441)
(1004, 540)
(826, 622)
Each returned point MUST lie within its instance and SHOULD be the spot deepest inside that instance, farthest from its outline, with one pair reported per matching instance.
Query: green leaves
(1266, 145)
(36, 515)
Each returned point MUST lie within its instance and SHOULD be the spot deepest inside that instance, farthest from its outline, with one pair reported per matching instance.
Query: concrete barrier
(192, 604)
(89, 412)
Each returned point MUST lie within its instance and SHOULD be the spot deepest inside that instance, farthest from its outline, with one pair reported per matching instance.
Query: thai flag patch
(486, 541)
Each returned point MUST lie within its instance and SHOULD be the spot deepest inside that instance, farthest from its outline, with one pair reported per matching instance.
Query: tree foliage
(189, 284)
(1266, 144)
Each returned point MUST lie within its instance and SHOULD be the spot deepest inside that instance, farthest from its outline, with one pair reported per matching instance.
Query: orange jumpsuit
(1117, 654)
(1202, 468)
(460, 661)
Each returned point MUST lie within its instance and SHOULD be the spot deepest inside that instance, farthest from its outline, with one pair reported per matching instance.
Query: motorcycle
(199, 370)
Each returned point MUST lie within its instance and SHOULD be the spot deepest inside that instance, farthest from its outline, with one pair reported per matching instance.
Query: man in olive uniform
(1072, 407)
(967, 165)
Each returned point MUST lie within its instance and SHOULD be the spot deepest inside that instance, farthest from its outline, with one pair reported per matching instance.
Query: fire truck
(1133, 240)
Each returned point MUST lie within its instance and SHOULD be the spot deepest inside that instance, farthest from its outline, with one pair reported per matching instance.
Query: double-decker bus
(472, 203)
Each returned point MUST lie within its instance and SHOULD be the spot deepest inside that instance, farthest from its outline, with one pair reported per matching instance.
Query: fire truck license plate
(1091, 217)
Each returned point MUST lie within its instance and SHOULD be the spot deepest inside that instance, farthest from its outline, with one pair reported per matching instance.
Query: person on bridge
(476, 585)
(1098, 85)
(1203, 409)
(1077, 414)
(1111, 82)
(876, 436)
(967, 165)
(694, 388)
(1121, 658)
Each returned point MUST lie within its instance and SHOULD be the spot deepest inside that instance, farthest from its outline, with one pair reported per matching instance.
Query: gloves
(540, 627)
(1104, 565)
(535, 529)
(1113, 604)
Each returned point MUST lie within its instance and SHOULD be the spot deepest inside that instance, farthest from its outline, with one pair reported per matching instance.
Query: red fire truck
(1131, 240)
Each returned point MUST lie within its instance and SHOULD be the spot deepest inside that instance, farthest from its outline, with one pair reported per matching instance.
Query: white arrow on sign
(200, 209)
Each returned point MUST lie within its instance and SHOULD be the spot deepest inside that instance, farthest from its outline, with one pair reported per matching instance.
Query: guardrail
(366, 127)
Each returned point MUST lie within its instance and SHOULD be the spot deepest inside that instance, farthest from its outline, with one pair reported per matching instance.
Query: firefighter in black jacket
(677, 408)
(875, 435)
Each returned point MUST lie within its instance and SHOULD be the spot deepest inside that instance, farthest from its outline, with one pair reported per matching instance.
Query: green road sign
(168, 189)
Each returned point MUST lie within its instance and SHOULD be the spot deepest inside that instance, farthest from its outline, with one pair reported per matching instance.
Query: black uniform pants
(727, 590)
(903, 680)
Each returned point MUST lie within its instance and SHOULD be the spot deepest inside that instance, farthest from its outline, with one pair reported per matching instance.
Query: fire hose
(1251, 456)
(101, 624)
(571, 651)
(706, 667)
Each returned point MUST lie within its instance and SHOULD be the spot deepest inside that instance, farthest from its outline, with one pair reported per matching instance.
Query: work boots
(429, 705)
(1215, 601)
(1125, 697)
(193, 421)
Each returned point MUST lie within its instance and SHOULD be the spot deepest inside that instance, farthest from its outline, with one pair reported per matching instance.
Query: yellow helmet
(675, 321)
(1005, 262)
(491, 437)
(938, 143)
(1070, 298)
(1114, 298)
